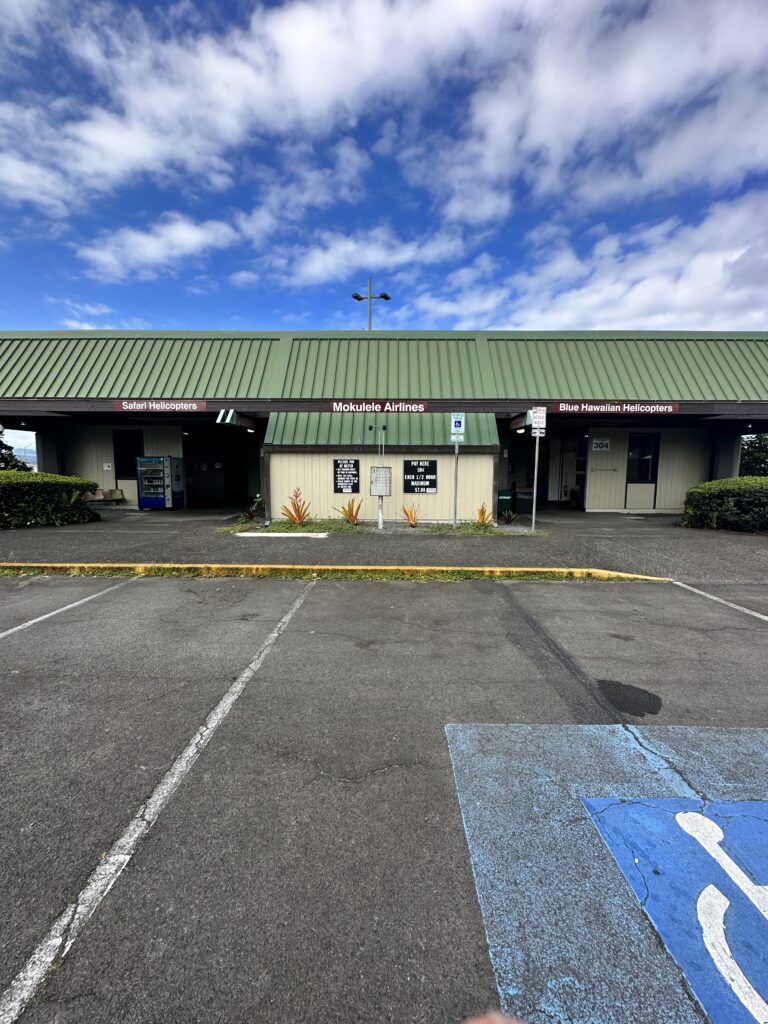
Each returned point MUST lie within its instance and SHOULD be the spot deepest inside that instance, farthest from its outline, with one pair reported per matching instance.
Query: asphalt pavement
(317, 862)
(652, 545)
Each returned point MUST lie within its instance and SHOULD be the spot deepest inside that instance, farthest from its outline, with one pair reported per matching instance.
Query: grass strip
(337, 572)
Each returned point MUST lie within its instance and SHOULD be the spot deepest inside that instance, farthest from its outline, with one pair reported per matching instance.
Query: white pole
(535, 485)
(456, 487)
(381, 462)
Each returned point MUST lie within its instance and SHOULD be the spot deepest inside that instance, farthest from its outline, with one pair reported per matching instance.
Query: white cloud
(333, 256)
(666, 276)
(601, 102)
(85, 325)
(22, 180)
(81, 308)
(305, 184)
(244, 278)
(184, 101)
(128, 252)
(648, 95)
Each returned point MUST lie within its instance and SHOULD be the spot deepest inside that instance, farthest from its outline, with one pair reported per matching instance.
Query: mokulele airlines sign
(623, 408)
(158, 405)
(371, 405)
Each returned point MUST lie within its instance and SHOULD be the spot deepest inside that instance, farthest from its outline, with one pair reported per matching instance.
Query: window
(128, 446)
(643, 459)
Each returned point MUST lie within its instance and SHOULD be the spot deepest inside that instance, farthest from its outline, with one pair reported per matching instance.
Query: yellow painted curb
(233, 569)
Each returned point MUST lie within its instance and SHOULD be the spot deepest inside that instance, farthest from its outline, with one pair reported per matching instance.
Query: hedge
(735, 503)
(43, 499)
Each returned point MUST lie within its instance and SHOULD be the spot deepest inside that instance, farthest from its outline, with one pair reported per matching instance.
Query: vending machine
(160, 480)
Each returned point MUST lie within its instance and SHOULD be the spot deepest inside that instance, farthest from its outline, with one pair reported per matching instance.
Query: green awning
(351, 430)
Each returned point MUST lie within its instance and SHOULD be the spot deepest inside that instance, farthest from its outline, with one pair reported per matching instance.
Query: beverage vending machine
(160, 480)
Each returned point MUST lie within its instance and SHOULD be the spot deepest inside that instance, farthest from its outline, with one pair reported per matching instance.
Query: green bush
(43, 499)
(735, 503)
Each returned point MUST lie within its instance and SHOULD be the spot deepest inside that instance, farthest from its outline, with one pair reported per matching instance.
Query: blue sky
(492, 164)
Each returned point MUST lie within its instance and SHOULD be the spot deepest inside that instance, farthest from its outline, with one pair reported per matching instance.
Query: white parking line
(66, 608)
(720, 600)
(68, 925)
(281, 535)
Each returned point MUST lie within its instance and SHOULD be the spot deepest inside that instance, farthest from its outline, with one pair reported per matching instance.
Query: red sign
(158, 405)
(620, 408)
(378, 405)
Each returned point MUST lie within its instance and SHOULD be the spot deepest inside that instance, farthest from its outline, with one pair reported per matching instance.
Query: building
(633, 418)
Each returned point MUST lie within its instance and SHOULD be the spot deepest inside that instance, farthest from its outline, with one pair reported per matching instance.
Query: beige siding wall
(86, 450)
(314, 475)
(606, 471)
(683, 461)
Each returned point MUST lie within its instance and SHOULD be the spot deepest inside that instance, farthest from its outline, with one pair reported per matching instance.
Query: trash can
(505, 501)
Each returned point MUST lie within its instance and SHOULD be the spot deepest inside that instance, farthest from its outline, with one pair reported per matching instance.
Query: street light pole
(369, 297)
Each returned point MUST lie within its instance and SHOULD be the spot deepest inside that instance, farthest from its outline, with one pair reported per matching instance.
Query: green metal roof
(146, 366)
(524, 365)
(326, 429)
(709, 368)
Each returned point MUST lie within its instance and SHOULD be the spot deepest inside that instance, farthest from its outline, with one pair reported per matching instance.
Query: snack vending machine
(160, 480)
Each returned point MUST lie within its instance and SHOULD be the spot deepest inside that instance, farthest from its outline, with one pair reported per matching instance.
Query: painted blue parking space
(558, 821)
(693, 867)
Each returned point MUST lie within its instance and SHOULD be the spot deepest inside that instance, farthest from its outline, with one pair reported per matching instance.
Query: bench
(101, 496)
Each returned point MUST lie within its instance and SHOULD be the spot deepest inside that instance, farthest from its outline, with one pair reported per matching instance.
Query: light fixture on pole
(369, 296)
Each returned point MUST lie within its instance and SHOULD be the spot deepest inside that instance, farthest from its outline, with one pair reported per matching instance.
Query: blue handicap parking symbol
(700, 872)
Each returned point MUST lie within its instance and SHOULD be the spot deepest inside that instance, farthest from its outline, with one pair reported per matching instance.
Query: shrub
(483, 517)
(43, 499)
(736, 503)
(508, 517)
(350, 512)
(255, 510)
(411, 514)
(297, 510)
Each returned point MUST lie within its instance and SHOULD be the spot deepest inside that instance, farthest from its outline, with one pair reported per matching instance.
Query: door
(573, 467)
(642, 471)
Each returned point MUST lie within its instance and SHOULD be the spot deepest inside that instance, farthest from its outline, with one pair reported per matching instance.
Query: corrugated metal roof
(523, 365)
(144, 366)
(675, 368)
(407, 366)
(345, 429)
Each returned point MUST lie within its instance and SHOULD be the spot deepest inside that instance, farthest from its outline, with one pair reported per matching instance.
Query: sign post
(538, 430)
(457, 436)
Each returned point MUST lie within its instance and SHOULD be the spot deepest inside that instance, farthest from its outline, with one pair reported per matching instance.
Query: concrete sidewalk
(650, 545)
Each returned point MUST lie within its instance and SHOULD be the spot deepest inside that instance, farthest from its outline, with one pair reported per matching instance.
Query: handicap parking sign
(700, 872)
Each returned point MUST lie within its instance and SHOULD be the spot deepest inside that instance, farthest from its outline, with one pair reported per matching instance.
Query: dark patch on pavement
(628, 699)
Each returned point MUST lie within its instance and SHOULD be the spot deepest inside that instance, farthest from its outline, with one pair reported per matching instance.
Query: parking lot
(308, 860)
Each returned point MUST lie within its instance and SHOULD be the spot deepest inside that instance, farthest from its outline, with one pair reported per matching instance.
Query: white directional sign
(538, 432)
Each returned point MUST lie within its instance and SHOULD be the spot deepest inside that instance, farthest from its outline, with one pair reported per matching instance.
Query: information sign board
(457, 427)
(538, 432)
(601, 444)
(381, 481)
(346, 476)
(539, 417)
(420, 476)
